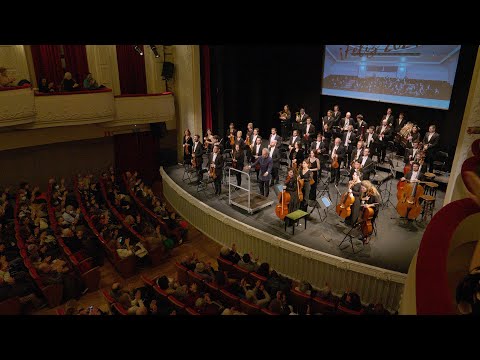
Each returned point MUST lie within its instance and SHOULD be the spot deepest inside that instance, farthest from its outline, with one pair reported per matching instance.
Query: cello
(344, 209)
(367, 216)
(408, 200)
(281, 210)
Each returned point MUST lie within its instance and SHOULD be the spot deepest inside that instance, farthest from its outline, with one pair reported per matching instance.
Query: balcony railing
(23, 108)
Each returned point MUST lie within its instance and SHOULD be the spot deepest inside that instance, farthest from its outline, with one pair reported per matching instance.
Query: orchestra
(339, 142)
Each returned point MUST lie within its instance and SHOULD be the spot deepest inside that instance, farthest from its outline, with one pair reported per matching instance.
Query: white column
(188, 91)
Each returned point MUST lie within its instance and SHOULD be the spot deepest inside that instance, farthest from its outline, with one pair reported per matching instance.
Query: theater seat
(249, 308)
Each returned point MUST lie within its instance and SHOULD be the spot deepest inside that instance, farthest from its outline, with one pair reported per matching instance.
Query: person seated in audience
(252, 295)
(206, 306)
(304, 287)
(51, 87)
(276, 282)
(90, 83)
(279, 304)
(190, 262)
(263, 270)
(205, 272)
(232, 311)
(137, 304)
(247, 264)
(351, 300)
(192, 295)
(5, 80)
(123, 247)
(43, 86)
(377, 309)
(325, 292)
(68, 83)
(71, 307)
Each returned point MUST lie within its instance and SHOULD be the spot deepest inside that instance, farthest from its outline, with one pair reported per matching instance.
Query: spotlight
(138, 50)
(155, 51)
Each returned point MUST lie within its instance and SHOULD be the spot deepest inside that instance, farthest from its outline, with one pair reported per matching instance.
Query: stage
(393, 248)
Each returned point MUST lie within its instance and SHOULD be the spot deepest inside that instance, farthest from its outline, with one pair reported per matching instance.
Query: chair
(193, 277)
(191, 311)
(182, 275)
(107, 297)
(224, 265)
(249, 308)
(345, 311)
(254, 277)
(179, 306)
(119, 310)
(440, 160)
(265, 311)
(238, 272)
(212, 289)
(229, 298)
(147, 281)
(203, 184)
(299, 301)
(321, 306)
(188, 171)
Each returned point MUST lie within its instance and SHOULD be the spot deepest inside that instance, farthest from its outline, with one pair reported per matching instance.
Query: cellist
(370, 198)
(354, 187)
(291, 187)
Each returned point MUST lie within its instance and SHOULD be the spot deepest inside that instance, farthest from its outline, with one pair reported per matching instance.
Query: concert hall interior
(239, 179)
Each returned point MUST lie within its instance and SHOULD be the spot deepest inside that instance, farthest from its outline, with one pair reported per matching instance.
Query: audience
(90, 83)
(68, 83)
(5, 80)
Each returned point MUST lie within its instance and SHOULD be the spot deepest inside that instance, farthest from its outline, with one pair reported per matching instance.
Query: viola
(212, 173)
(284, 198)
(247, 140)
(232, 138)
(187, 151)
(335, 163)
(194, 161)
(300, 184)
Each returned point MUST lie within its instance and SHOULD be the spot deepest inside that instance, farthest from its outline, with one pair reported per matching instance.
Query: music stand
(326, 187)
(388, 188)
(324, 204)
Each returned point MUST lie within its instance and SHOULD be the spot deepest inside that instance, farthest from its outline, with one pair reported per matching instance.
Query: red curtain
(207, 100)
(47, 63)
(76, 62)
(131, 70)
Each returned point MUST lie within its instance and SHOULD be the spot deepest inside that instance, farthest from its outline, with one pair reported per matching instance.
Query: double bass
(408, 200)
(281, 210)
(344, 209)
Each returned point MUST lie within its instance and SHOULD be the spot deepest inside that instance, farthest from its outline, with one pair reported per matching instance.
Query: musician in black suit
(327, 135)
(399, 123)
(239, 140)
(215, 160)
(361, 127)
(336, 149)
(197, 152)
(414, 174)
(389, 117)
(328, 120)
(303, 119)
(411, 153)
(256, 152)
(309, 132)
(291, 142)
(346, 121)
(336, 116)
(366, 164)
(414, 136)
(297, 155)
(356, 168)
(238, 162)
(430, 142)
(357, 153)
(384, 133)
(274, 153)
(274, 136)
(348, 141)
(371, 140)
(319, 146)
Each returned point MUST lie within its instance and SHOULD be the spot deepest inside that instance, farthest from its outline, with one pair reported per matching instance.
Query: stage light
(138, 50)
(155, 51)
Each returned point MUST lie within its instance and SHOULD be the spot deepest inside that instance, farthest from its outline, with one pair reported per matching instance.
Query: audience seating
(299, 301)
(191, 311)
(179, 306)
(250, 308)
(195, 278)
(224, 265)
(345, 311)
(321, 306)
(182, 275)
(229, 299)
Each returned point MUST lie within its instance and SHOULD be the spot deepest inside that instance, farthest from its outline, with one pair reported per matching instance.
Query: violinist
(309, 132)
(348, 140)
(230, 137)
(357, 152)
(187, 147)
(319, 146)
(328, 120)
(361, 127)
(414, 136)
(370, 198)
(304, 174)
(327, 135)
(411, 153)
(314, 164)
(354, 187)
(371, 140)
(208, 141)
(217, 141)
(366, 164)
(337, 114)
(430, 143)
(291, 187)
(291, 143)
(215, 161)
(250, 139)
(256, 153)
(237, 162)
(337, 153)
(297, 155)
(249, 132)
(284, 117)
(274, 136)
(239, 140)
(356, 168)
(197, 152)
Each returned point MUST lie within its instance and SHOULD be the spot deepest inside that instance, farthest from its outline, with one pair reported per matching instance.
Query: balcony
(17, 106)
(22, 108)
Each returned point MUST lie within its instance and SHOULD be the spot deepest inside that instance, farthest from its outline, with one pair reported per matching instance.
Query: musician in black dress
(187, 147)
(239, 140)
(297, 155)
(256, 153)
(291, 187)
(197, 152)
(305, 174)
(327, 135)
(370, 198)
(354, 187)
(238, 159)
(314, 164)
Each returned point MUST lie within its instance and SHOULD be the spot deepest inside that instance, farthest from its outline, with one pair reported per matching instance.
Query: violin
(212, 172)
(284, 198)
(335, 163)
(344, 209)
(232, 138)
(194, 161)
